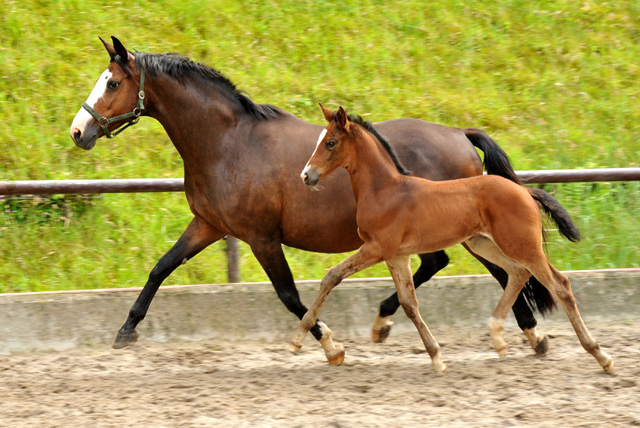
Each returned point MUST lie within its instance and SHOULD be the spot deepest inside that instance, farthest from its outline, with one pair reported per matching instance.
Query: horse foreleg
(430, 264)
(401, 272)
(361, 259)
(194, 239)
(272, 259)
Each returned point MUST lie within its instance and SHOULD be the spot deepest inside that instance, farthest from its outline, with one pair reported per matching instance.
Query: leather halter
(135, 114)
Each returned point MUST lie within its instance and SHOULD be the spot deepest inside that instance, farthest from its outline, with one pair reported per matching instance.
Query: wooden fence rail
(142, 185)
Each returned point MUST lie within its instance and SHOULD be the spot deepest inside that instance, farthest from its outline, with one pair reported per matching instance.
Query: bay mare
(399, 215)
(238, 157)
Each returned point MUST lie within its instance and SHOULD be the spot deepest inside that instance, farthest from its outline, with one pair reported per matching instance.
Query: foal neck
(370, 166)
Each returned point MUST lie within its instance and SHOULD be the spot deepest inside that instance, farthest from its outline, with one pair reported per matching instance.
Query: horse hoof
(124, 339)
(502, 352)
(294, 348)
(440, 368)
(542, 346)
(379, 336)
(609, 366)
(337, 358)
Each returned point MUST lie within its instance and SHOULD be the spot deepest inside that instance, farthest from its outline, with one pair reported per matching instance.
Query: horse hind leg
(517, 277)
(401, 273)
(521, 309)
(560, 287)
(430, 264)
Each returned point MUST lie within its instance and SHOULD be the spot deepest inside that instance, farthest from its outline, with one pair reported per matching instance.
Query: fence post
(233, 259)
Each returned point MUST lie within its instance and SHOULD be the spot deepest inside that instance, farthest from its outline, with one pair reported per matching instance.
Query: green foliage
(554, 83)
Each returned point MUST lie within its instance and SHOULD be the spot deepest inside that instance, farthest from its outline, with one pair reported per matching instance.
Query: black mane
(178, 67)
(383, 141)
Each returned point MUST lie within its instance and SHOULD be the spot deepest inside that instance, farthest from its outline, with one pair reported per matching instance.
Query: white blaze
(322, 134)
(83, 116)
(320, 138)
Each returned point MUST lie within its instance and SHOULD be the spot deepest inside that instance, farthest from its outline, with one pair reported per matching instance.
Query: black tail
(537, 296)
(496, 161)
(558, 213)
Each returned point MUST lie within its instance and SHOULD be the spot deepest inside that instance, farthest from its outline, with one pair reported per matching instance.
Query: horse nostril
(305, 178)
(76, 134)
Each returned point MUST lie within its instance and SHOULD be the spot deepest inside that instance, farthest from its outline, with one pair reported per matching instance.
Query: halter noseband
(137, 111)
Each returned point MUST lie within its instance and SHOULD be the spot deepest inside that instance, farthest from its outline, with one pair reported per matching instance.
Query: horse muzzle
(310, 176)
(83, 140)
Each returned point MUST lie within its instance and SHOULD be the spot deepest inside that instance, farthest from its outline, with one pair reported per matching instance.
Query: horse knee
(563, 290)
(332, 278)
(410, 307)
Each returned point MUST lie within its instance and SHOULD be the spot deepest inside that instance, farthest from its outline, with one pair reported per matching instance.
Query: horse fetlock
(496, 326)
(381, 329)
(438, 365)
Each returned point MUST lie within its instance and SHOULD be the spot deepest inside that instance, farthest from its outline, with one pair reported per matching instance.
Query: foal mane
(354, 118)
(178, 67)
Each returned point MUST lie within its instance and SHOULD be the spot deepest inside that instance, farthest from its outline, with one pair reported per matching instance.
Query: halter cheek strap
(104, 122)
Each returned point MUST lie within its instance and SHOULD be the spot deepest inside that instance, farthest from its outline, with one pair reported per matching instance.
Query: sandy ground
(207, 384)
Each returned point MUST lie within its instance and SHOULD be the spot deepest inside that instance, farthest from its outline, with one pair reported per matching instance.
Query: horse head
(117, 100)
(330, 150)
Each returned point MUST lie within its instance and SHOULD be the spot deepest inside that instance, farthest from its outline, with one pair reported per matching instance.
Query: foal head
(331, 151)
(116, 100)
(335, 145)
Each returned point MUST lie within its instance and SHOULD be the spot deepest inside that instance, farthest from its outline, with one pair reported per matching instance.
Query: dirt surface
(210, 383)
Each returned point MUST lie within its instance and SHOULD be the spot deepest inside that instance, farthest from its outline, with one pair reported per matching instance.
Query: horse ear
(109, 47)
(120, 49)
(328, 114)
(342, 119)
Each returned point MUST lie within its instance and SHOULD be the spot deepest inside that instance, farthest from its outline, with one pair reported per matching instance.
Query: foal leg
(400, 270)
(560, 286)
(361, 259)
(521, 310)
(274, 263)
(194, 239)
(518, 275)
(430, 264)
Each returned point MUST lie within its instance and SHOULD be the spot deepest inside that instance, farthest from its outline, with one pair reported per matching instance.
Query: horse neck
(370, 166)
(191, 112)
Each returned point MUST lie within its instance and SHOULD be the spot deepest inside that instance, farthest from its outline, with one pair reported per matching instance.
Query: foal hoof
(542, 346)
(440, 367)
(609, 366)
(502, 352)
(293, 348)
(124, 339)
(379, 336)
(337, 358)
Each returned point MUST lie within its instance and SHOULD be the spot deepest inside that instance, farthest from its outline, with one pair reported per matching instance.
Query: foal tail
(558, 213)
(496, 160)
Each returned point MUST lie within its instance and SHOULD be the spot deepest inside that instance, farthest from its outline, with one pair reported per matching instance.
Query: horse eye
(330, 144)
(113, 84)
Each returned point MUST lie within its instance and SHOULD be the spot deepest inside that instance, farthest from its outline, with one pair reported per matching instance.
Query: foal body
(400, 215)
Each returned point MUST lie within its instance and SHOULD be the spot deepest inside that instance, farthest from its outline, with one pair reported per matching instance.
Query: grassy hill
(554, 82)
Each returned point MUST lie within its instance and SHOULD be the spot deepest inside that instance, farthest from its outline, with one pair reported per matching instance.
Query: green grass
(554, 82)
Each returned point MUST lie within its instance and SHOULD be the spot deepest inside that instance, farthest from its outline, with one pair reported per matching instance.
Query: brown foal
(399, 215)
